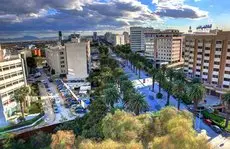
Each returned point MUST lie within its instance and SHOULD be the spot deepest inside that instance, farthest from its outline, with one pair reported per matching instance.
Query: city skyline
(44, 18)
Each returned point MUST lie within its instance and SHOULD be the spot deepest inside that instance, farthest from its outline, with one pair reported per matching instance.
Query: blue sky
(45, 17)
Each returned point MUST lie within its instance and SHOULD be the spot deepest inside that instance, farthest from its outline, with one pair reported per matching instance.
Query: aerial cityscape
(114, 74)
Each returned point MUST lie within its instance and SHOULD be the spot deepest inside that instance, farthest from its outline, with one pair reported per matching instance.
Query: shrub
(159, 95)
(34, 108)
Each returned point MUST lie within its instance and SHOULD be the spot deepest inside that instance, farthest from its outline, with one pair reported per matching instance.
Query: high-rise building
(56, 59)
(60, 36)
(12, 77)
(108, 37)
(163, 47)
(126, 37)
(95, 36)
(78, 59)
(207, 56)
(137, 39)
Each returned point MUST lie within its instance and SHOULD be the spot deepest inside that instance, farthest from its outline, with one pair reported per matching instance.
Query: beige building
(163, 47)
(78, 59)
(118, 39)
(207, 56)
(12, 77)
(56, 59)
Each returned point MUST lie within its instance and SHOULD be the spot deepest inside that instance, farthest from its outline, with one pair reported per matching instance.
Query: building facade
(95, 36)
(163, 47)
(56, 59)
(137, 38)
(207, 56)
(78, 59)
(12, 77)
(118, 39)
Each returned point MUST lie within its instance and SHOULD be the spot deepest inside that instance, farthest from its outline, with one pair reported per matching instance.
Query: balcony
(11, 79)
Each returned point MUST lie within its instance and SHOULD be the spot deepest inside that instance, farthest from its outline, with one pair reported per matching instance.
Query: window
(2, 87)
(228, 50)
(198, 64)
(206, 61)
(213, 82)
(226, 79)
(228, 57)
(61, 53)
(218, 49)
(207, 48)
(62, 66)
(225, 86)
(205, 67)
(5, 68)
(205, 73)
(217, 56)
(227, 72)
(199, 53)
(218, 42)
(61, 57)
(216, 63)
(227, 65)
(198, 70)
(206, 54)
(215, 69)
(215, 76)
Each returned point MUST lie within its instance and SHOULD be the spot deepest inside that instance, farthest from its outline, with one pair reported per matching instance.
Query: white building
(78, 59)
(137, 38)
(118, 39)
(56, 59)
(12, 77)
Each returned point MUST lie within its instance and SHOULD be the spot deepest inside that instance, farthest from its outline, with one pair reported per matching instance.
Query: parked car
(216, 129)
(208, 121)
(80, 110)
(56, 110)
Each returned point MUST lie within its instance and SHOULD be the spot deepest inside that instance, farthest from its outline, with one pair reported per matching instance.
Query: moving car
(208, 121)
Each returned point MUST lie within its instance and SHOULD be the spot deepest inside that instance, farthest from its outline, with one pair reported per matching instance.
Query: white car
(57, 99)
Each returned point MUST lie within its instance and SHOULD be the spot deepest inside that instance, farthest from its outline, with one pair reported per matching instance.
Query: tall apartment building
(163, 47)
(207, 56)
(95, 36)
(56, 59)
(126, 37)
(137, 38)
(78, 59)
(12, 77)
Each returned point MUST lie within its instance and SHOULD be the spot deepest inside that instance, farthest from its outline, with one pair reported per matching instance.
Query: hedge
(21, 124)
(216, 119)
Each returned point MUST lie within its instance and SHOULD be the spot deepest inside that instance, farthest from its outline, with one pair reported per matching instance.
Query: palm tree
(170, 73)
(20, 96)
(117, 73)
(163, 68)
(111, 96)
(179, 75)
(196, 93)
(179, 91)
(160, 78)
(153, 73)
(137, 103)
(169, 89)
(126, 85)
(139, 66)
(226, 98)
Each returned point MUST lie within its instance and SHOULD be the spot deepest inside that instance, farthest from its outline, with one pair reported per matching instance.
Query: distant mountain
(26, 38)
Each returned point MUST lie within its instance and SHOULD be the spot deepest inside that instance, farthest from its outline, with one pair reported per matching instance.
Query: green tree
(111, 96)
(197, 93)
(126, 85)
(170, 73)
(179, 91)
(160, 78)
(117, 73)
(139, 66)
(226, 98)
(136, 103)
(41, 140)
(121, 126)
(153, 72)
(169, 89)
(20, 96)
